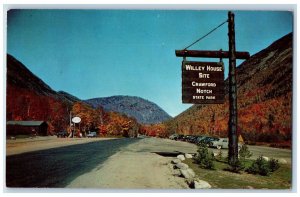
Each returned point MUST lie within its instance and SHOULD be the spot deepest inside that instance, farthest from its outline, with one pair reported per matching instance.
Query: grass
(220, 178)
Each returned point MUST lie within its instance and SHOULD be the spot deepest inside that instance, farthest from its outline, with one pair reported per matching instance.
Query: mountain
(29, 98)
(68, 96)
(21, 78)
(142, 110)
(264, 85)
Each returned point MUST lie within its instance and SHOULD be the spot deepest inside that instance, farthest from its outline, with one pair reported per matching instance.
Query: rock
(181, 157)
(184, 173)
(182, 166)
(176, 172)
(282, 161)
(190, 182)
(191, 171)
(266, 158)
(188, 156)
(249, 187)
(176, 161)
(170, 166)
(200, 184)
(188, 173)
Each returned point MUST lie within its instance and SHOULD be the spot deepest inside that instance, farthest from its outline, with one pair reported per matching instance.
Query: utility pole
(232, 124)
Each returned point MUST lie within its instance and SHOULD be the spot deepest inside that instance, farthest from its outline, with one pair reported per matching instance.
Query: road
(114, 163)
(56, 167)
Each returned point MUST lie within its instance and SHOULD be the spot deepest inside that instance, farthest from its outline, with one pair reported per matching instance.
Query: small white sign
(76, 120)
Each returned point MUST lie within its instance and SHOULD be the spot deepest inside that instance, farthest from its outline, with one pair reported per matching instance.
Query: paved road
(56, 167)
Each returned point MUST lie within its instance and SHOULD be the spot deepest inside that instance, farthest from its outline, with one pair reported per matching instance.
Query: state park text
(202, 82)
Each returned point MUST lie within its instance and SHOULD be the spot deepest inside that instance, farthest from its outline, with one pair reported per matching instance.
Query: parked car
(222, 143)
(186, 138)
(62, 134)
(208, 140)
(195, 139)
(189, 138)
(198, 139)
(173, 136)
(92, 134)
(180, 137)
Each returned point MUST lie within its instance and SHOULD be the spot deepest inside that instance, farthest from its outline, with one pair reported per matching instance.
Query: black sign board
(202, 82)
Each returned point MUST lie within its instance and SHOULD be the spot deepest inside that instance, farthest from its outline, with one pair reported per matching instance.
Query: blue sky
(100, 53)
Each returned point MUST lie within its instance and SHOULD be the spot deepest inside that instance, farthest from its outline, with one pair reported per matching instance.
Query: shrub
(236, 166)
(244, 152)
(259, 166)
(273, 164)
(205, 158)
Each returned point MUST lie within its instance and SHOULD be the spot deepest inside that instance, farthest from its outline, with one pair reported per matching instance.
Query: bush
(205, 158)
(263, 167)
(236, 166)
(244, 152)
(273, 164)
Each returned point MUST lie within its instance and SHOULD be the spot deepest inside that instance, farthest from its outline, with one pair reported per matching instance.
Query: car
(92, 134)
(189, 138)
(186, 138)
(179, 137)
(222, 143)
(208, 140)
(198, 139)
(173, 136)
(62, 134)
(194, 139)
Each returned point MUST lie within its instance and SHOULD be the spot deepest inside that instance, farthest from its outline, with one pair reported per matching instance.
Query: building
(26, 128)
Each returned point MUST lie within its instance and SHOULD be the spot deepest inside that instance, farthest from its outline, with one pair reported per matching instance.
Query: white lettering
(201, 76)
(210, 97)
(197, 68)
(203, 84)
(198, 97)
(215, 68)
(200, 91)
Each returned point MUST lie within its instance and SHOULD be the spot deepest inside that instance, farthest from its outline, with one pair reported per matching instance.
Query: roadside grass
(220, 178)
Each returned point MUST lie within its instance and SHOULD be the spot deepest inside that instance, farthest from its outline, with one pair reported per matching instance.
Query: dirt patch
(132, 168)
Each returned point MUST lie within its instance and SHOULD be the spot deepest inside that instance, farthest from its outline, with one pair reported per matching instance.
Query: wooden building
(26, 128)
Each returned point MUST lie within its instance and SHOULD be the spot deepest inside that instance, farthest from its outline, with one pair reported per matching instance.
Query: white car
(222, 143)
(173, 137)
(92, 134)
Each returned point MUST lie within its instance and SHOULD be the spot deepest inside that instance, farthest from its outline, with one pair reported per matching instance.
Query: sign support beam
(211, 54)
(232, 124)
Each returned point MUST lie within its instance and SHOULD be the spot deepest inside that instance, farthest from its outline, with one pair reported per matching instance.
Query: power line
(206, 35)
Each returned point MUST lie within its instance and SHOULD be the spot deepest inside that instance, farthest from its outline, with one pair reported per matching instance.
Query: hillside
(264, 85)
(29, 98)
(142, 110)
(19, 77)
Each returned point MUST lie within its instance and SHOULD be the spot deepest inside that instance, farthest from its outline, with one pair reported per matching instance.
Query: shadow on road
(57, 167)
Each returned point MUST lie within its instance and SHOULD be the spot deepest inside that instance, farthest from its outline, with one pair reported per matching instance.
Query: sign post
(232, 124)
(195, 93)
(75, 120)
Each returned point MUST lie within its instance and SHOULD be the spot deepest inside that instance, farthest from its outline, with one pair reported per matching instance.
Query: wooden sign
(202, 82)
